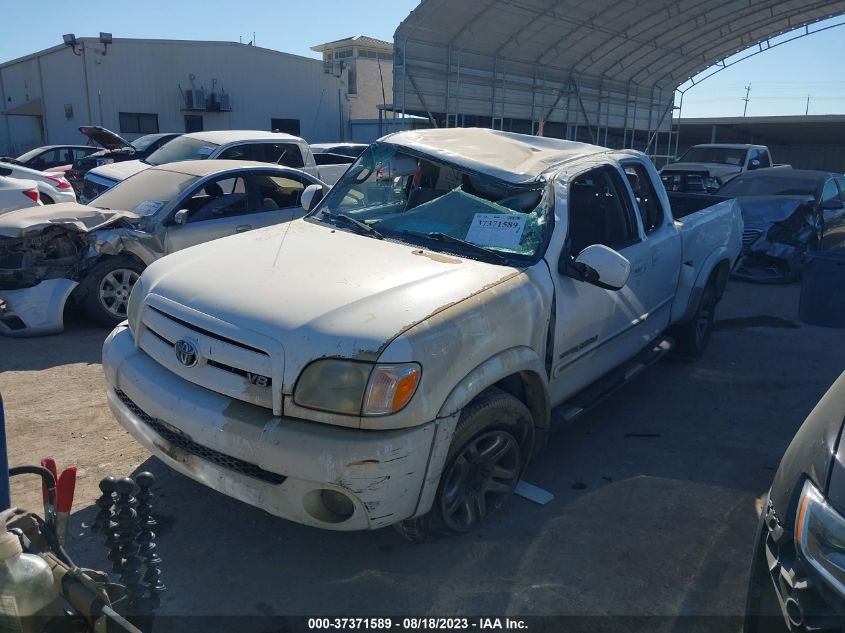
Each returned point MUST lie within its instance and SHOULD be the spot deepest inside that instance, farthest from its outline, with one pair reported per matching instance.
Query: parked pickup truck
(708, 167)
(255, 145)
(393, 357)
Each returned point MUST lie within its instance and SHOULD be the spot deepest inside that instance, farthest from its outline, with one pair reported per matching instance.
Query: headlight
(820, 536)
(133, 308)
(356, 388)
(712, 183)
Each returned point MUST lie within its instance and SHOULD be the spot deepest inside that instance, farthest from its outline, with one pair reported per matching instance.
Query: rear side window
(841, 183)
(279, 192)
(648, 205)
(600, 212)
(287, 154)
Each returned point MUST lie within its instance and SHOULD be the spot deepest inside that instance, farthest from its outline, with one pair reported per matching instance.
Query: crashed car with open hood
(115, 149)
(786, 212)
(93, 255)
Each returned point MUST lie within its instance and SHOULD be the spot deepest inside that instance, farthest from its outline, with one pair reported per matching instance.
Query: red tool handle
(65, 489)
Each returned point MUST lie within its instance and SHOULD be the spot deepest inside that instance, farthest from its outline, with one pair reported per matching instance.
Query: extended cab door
(660, 240)
(596, 329)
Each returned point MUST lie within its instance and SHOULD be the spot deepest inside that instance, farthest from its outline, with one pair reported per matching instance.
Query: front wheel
(486, 459)
(108, 285)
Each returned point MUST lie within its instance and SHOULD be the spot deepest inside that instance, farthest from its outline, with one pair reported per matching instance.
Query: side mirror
(754, 164)
(834, 204)
(5, 171)
(602, 267)
(181, 217)
(311, 197)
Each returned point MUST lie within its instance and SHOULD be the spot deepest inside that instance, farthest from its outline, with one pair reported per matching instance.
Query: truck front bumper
(282, 465)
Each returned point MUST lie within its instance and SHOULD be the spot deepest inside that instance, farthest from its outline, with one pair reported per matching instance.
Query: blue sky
(780, 78)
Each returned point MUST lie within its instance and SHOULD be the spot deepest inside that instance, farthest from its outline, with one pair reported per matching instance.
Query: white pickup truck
(264, 147)
(393, 357)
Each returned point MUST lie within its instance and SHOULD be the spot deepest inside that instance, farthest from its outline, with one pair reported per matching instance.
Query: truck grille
(749, 236)
(226, 365)
(203, 452)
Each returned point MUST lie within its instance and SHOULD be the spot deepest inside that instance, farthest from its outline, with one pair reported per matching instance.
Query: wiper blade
(356, 223)
(451, 239)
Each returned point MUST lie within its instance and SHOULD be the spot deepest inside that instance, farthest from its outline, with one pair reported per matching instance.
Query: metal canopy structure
(603, 72)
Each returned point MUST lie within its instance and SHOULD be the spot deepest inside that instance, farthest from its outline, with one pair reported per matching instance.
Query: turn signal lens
(390, 388)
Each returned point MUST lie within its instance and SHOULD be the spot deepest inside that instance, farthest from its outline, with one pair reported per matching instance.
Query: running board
(590, 396)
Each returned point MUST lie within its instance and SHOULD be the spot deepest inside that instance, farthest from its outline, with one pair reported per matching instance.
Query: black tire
(47, 199)
(107, 286)
(488, 454)
(692, 338)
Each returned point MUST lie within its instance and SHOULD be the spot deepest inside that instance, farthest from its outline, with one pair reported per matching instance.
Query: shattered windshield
(144, 193)
(394, 194)
(182, 148)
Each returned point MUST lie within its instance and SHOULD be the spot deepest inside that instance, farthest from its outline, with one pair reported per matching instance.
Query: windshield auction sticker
(148, 207)
(496, 229)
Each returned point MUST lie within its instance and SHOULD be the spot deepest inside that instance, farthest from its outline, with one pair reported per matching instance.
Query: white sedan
(16, 193)
(52, 187)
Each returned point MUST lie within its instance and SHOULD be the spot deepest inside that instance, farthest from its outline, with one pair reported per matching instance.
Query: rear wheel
(485, 462)
(692, 337)
(108, 285)
(46, 199)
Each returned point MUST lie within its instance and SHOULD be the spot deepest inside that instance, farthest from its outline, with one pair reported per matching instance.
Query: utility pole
(807, 109)
(747, 92)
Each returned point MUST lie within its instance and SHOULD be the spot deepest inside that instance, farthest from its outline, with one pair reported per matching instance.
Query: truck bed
(684, 204)
(708, 233)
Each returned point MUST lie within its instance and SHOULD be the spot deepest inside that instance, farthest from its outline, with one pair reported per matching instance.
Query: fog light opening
(328, 506)
(794, 612)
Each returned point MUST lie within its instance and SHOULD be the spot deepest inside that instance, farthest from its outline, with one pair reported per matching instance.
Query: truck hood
(318, 291)
(121, 170)
(763, 211)
(104, 137)
(73, 216)
(713, 169)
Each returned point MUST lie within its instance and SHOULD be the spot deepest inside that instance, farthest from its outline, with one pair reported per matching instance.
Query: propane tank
(28, 595)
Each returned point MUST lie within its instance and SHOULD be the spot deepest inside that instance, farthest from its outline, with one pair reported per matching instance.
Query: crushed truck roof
(513, 158)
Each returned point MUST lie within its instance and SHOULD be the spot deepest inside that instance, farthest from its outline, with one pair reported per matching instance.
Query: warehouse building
(141, 86)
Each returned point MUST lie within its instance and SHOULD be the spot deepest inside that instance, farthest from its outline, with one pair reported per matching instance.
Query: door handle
(243, 227)
(639, 267)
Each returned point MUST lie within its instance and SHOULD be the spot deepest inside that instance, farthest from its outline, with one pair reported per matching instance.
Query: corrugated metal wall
(144, 76)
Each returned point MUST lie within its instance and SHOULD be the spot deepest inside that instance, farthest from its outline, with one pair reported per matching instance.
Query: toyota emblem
(187, 352)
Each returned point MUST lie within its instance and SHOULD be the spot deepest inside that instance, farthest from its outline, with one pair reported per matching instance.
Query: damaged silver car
(92, 255)
(786, 212)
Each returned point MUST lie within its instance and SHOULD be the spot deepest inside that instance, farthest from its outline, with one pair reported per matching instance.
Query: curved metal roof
(654, 42)
(601, 71)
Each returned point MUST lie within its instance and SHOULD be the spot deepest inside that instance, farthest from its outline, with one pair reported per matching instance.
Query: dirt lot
(655, 491)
